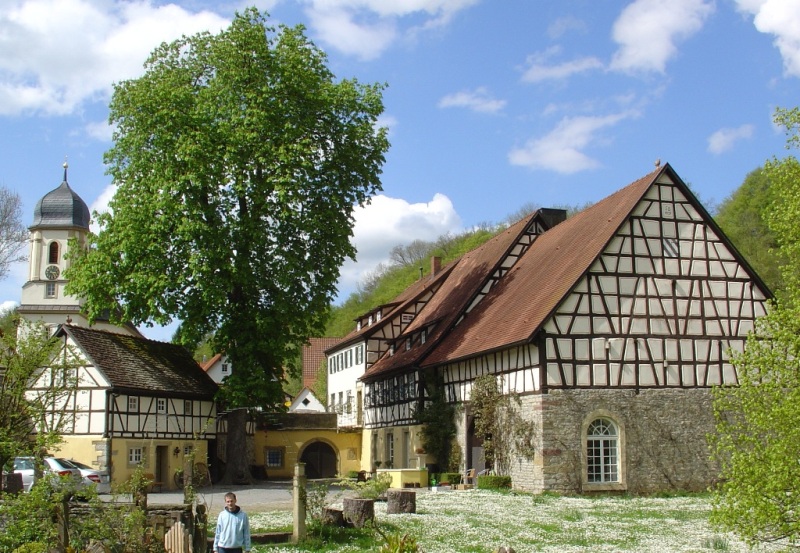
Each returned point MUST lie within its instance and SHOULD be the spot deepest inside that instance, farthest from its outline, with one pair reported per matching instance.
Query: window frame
(620, 452)
(280, 451)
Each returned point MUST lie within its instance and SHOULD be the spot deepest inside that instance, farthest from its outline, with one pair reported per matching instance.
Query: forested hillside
(407, 264)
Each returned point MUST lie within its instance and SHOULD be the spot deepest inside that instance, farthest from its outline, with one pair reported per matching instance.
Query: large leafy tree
(758, 421)
(238, 160)
(743, 218)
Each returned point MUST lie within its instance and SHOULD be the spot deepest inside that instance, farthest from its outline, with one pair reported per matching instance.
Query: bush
(451, 478)
(493, 482)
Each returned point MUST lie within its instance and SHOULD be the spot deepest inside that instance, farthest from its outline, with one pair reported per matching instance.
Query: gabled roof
(517, 306)
(130, 363)
(516, 309)
(521, 302)
(397, 305)
(467, 277)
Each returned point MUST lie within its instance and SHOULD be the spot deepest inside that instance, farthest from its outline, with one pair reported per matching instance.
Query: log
(333, 517)
(401, 501)
(358, 511)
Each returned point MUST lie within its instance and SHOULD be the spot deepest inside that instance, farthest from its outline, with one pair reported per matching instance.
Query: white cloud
(780, 18)
(565, 24)
(540, 72)
(475, 100)
(648, 30)
(366, 28)
(561, 149)
(724, 139)
(57, 54)
(387, 222)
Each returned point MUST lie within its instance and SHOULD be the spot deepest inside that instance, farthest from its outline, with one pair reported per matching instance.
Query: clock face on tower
(52, 272)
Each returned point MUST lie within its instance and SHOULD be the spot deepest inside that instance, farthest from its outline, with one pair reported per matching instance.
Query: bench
(150, 477)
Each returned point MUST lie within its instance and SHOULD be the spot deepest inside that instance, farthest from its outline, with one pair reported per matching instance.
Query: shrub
(371, 489)
(493, 482)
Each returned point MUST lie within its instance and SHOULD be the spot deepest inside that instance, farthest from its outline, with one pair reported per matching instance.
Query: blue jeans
(229, 550)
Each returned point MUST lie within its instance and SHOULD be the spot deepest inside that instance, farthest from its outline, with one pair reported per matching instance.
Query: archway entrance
(320, 460)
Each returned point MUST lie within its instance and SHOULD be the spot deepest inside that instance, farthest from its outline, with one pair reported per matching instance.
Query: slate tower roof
(61, 208)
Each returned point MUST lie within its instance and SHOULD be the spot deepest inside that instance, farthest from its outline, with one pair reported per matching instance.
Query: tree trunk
(358, 511)
(333, 517)
(401, 501)
(237, 461)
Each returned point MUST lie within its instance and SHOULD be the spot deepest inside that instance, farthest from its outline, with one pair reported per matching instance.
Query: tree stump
(401, 501)
(333, 517)
(358, 511)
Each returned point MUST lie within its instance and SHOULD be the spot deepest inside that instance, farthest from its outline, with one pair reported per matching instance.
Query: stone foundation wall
(663, 439)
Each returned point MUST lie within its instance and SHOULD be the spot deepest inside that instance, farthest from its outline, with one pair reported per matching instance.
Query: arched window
(602, 452)
(52, 254)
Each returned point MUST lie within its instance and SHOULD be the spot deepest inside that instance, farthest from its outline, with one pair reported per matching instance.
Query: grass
(480, 521)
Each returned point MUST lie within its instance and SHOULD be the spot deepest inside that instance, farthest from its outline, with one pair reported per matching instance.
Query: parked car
(61, 467)
(92, 476)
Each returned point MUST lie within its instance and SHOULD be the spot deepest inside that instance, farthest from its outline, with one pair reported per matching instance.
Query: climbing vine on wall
(500, 425)
(438, 419)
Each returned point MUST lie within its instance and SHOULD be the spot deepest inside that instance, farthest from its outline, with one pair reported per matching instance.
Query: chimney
(436, 265)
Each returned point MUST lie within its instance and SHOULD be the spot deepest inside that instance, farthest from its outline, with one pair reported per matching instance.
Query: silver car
(93, 477)
(61, 467)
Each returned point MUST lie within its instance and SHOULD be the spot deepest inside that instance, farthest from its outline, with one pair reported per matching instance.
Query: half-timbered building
(139, 402)
(611, 327)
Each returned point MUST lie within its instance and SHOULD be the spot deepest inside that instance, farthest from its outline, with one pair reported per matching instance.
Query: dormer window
(369, 320)
(423, 336)
(391, 350)
(358, 325)
(408, 344)
(378, 316)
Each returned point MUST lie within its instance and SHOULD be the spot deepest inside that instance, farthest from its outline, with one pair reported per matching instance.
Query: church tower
(60, 216)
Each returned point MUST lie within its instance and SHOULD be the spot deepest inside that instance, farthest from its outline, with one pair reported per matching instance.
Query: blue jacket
(233, 530)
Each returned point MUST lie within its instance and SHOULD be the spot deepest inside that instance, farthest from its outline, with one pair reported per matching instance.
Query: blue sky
(491, 105)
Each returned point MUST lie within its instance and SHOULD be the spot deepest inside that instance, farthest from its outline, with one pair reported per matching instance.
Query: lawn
(480, 521)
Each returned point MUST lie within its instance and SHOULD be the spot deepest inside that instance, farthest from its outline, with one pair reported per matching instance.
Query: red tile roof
(522, 301)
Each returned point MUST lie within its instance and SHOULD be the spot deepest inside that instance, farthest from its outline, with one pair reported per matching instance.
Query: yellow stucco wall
(346, 445)
(161, 458)
(90, 450)
(407, 440)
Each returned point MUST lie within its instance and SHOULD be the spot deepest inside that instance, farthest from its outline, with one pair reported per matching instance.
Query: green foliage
(497, 418)
(371, 489)
(743, 218)
(239, 159)
(396, 543)
(320, 384)
(316, 499)
(757, 441)
(234, 154)
(32, 356)
(493, 482)
(438, 419)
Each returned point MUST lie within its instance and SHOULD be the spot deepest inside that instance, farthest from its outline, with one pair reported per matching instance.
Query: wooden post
(188, 480)
(62, 521)
(299, 501)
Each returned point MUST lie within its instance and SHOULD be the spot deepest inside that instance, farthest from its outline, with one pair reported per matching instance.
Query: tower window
(50, 290)
(52, 254)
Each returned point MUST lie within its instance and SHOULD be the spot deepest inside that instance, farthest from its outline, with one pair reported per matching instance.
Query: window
(187, 407)
(52, 253)
(133, 404)
(408, 344)
(602, 452)
(332, 404)
(50, 289)
(423, 336)
(187, 450)
(389, 450)
(135, 455)
(225, 367)
(161, 405)
(273, 457)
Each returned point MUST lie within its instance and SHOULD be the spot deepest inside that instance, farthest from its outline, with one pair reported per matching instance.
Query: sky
(491, 106)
